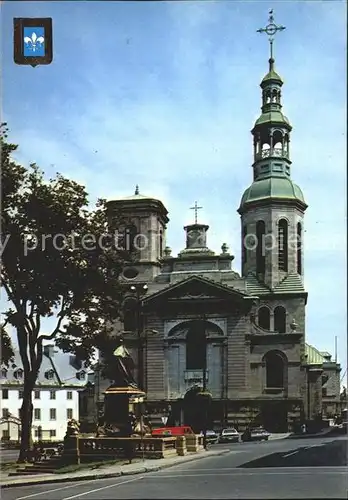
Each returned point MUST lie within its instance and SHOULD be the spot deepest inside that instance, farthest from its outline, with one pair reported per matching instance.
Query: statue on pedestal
(119, 366)
(118, 419)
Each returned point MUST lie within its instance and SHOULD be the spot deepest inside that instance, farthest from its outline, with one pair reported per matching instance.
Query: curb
(107, 475)
(317, 435)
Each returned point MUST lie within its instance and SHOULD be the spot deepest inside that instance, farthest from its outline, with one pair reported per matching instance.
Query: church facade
(192, 321)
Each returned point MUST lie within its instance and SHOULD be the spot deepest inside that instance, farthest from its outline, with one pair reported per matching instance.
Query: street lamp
(205, 385)
(142, 334)
(139, 290)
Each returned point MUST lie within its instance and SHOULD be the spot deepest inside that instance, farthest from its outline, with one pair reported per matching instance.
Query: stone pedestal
(181, 446)
(117, 409)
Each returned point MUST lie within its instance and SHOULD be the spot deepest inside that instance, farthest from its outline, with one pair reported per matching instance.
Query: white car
(229, 436)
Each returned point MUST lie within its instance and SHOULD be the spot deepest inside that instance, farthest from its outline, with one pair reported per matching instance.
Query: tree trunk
(26, 420)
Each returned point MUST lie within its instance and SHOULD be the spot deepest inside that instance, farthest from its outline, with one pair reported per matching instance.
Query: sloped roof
(314, 357)
(291, 284)
(62, 366)
(253, 286)
(204, 281)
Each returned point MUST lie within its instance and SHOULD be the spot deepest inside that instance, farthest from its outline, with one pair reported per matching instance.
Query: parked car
(343, 427)
(212, 436)
(229, 436)
(255, 434)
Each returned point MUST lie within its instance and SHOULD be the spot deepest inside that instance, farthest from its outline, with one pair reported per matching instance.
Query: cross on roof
(271, 29)
(195, 208)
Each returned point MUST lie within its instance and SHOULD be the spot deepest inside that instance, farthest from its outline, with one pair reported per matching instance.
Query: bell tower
(140, 223)
(272, 208)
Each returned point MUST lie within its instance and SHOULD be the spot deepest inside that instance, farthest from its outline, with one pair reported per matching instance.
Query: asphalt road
(286, 469)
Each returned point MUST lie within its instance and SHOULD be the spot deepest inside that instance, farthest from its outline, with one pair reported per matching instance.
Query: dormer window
(81, 375)
(18, 374)
(49, 374)
(3, 373)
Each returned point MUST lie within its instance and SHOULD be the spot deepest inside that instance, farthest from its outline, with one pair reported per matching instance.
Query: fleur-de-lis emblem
(34, 42)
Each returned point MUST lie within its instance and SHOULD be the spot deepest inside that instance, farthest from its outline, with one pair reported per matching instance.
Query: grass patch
(92, 465)
(4, 466)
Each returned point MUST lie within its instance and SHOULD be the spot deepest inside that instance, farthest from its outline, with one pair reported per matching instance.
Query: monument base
(118, 420)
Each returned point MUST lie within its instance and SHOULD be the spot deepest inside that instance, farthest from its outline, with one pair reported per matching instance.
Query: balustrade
(110, 447)
(276, 152)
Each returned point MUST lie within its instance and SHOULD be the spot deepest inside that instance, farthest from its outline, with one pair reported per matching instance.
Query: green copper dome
(272, 76)
(274, 116)
(273, 188)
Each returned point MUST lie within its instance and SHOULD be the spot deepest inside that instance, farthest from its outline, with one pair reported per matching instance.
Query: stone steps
(47, 467)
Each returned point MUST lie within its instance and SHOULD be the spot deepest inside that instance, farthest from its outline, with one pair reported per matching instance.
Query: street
(287, 468)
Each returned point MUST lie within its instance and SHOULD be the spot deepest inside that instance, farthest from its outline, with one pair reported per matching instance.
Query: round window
(130, 273)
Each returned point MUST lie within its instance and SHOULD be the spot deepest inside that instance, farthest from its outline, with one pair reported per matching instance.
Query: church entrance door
(275, 416)
(196, 410)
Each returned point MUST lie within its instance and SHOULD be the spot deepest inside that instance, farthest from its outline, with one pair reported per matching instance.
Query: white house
(55, 399)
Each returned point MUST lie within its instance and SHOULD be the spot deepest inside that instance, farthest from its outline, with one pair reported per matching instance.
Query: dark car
(211, 437)
(229, 436)
(255, 434)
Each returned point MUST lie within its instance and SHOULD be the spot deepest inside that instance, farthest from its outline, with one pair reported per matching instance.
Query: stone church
(191, 320)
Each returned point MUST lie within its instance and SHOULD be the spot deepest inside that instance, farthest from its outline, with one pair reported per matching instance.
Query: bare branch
(61, 316)
(31, 316)
(10, 294)
(55, 331)
(38, 324)
(5, 323)
(23, 346)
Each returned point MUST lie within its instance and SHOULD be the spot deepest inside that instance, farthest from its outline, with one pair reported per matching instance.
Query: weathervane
(270, 30)
(195, 208)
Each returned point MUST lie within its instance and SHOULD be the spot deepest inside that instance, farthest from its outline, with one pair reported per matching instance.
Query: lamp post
(142, 334)
(140, 289)
(205, 385)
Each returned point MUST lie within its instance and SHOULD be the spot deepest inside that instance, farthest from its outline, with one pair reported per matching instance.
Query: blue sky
(164, 94)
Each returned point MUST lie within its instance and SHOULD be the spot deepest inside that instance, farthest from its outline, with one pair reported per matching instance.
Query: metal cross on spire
(196, 208)
(270, 30)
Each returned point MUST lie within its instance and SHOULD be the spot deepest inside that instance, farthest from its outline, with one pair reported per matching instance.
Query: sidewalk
(279, 435)
(325, 432)
(140, 467)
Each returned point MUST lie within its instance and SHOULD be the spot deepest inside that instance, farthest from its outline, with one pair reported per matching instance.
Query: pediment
(198, 289)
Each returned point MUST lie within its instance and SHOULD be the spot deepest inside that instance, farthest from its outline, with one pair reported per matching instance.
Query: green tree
(6, 349)
(58, 261)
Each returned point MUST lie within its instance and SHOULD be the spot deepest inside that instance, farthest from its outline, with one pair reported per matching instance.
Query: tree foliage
(58, 261)
(7, 352)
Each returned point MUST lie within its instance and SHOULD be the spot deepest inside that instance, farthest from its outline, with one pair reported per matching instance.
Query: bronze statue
(73, 428)
(120, 365)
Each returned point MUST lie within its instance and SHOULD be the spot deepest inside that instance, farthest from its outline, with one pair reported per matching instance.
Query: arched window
(18, 373)
(244, 248)
(275, 370)
(283, 245)
(196, 347)
(130, 238)
(49, 374)
(260, 254)
(280, 319)
(299, 248)
(130, 315)
(161, 244)
(264, 318)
